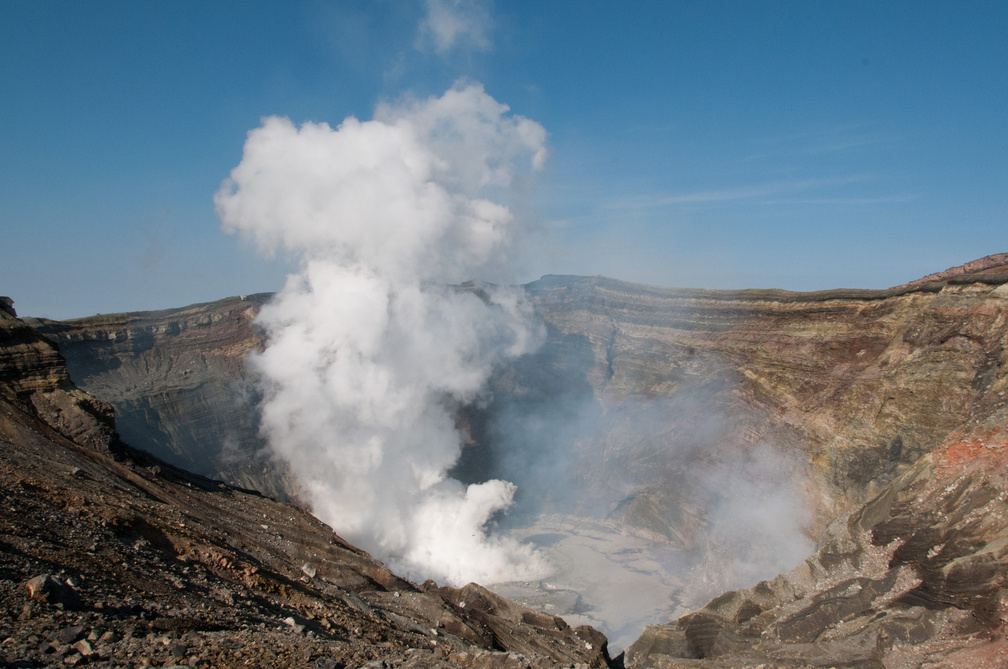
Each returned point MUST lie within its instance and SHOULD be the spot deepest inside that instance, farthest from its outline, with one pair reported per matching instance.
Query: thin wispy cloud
(890, 199)
(747, 192)
(841, 144)
(451, 24)
(819, 142)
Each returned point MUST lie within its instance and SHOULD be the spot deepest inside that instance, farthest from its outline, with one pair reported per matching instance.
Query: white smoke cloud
(760, 519)
(451, 23)
(368, 350)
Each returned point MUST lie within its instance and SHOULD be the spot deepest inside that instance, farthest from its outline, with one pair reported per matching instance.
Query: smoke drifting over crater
(380, 362)
(369, 351)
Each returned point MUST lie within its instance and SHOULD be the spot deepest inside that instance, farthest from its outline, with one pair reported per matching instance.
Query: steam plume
(368, 349)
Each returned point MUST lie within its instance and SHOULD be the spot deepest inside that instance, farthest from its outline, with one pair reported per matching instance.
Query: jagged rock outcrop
(158, 565)
(33, 377)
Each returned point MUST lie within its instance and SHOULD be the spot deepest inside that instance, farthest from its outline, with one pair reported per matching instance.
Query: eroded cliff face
(860, 384)
(180, 385)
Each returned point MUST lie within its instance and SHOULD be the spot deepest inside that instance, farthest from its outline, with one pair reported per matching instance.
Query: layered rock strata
(33, 377)
(860, 384)
(180, 385)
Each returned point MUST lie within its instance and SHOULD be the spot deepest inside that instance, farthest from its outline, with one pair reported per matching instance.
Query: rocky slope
(918, 577)
(111, 557)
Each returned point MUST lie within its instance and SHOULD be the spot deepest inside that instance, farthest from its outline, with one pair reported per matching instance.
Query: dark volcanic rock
(47, 588)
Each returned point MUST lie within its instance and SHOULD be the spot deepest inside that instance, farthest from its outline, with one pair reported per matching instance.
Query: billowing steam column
(368, 349)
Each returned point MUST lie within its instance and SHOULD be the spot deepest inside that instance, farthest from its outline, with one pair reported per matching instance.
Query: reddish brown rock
(986, 268)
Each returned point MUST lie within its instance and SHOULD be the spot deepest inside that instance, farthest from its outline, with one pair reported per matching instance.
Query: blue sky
(799, 145)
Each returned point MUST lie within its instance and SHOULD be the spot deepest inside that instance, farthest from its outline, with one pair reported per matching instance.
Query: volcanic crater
(805, 479)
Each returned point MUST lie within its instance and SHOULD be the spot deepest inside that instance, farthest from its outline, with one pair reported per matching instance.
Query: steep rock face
(711, 420)
(860, 384)
(153, 564)
(179, 382)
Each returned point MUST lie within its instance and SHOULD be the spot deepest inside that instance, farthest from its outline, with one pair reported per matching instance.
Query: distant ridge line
(981, 265)
(925, 285)
(991, 270)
